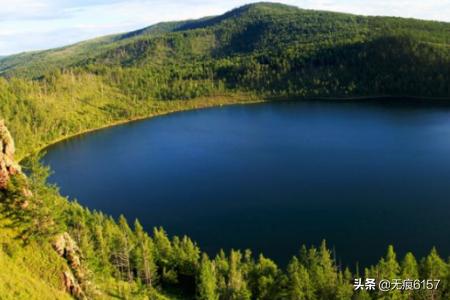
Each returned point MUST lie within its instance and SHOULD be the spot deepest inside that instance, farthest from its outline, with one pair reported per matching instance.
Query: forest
(258, 52)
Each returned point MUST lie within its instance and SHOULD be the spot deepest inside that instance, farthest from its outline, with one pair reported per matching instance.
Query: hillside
(56, 249)
(304, 48)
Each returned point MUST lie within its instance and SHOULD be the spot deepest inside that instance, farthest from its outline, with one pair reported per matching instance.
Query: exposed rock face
(7, 165)
(74, 277)
(66, 247)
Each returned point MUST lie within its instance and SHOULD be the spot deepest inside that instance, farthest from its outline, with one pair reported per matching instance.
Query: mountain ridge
(74, 54)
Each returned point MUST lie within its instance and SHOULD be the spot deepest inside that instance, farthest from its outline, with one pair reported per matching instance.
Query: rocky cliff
(74, 277)
(8, 167)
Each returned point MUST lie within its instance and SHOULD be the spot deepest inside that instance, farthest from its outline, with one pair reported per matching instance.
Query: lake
(273, 176)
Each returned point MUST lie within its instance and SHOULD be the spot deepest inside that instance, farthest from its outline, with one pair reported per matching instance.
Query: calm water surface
(271, 177)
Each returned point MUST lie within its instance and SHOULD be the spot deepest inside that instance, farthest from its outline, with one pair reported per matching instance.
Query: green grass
(27, 272)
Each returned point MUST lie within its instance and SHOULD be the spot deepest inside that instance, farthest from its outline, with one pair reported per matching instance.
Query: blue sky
(41, 24)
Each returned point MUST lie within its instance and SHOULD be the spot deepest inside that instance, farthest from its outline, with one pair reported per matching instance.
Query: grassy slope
(34, 272)
(30, 272)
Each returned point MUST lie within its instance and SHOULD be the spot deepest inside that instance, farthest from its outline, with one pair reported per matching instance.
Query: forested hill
(266, 48)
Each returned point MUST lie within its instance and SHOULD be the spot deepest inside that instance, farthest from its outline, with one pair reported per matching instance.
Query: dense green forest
(256, 52)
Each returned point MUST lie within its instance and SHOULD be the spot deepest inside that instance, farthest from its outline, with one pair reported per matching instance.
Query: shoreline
(231, 100)
(238, 99)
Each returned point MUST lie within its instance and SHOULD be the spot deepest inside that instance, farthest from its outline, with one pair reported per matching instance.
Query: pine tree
(222, 269)
(121, 249)
(187, 255)
(323, 271)
(165, 256)
(389, 269)
(300, 286)
(409, 267)
(264, 279)
(236, 285)
(143, 256)
(434, 267)
(43, 216)
(207, 283)
(344, 288)
(163, 246)
(101, 247)
(410, 271)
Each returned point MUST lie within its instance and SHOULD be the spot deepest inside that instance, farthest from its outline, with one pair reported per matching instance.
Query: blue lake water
(273, 176)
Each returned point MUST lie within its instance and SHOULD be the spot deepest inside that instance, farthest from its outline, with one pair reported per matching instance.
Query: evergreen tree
(143, 256)
(222, 270)
(187, 255)
(300, 286)
(389, 269)
(165, 256)
(236, 284)
(345, 287)
(264, 279)
(323, 271)
(409, 267)
(434, 267)
(121, 249)
(207, 284)
(409, 271)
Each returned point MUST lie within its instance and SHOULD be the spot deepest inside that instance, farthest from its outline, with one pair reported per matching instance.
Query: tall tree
(236, 285)
(143, 256)
(300, 286)
(264, 279)
(207, 282)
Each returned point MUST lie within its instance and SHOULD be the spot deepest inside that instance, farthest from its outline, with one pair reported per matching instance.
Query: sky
(27, 25)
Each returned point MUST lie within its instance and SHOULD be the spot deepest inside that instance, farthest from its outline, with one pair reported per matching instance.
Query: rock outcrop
(8, 167)
(74, 278)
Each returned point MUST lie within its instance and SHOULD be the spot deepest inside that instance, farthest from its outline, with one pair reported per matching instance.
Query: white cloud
(38, 24)
(420, 9)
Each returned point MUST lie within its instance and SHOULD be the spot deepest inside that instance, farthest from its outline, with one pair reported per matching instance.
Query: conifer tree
(236, 285)
(389, 269)
(323, 271)
(222, 268)
(122, 246)
(187, 255)
(345, 287)
(434, 267)
(300, 286)
(409, 271)
(207, 282)
(143, 256)
(165, 256)
(409, 267)
(264, 278)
